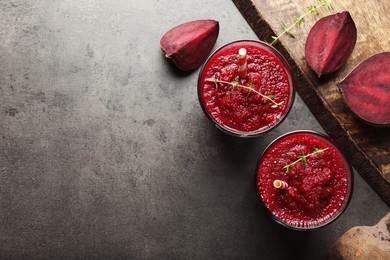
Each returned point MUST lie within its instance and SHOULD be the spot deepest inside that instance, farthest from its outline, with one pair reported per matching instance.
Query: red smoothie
(318, 176)
(246, 106)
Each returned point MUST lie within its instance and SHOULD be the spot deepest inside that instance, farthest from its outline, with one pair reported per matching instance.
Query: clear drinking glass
(262, 47)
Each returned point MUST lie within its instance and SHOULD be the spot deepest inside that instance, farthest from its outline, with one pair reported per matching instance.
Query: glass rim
(349, 174)
(287, 68)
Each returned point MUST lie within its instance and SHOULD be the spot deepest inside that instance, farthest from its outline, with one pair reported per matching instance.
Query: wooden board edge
(319, 107)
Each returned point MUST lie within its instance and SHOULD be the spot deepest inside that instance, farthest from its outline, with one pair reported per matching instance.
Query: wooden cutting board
(367, 147)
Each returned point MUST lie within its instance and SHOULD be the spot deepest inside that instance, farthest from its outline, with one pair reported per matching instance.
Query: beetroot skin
(189, 44)
(366, 90)
(330, 43)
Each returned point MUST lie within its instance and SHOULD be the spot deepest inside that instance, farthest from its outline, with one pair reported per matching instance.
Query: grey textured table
(105, 152)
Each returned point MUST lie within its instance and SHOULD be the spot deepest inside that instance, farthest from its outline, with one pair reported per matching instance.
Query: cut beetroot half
(189, 44)
(330, 43)
(366, 90)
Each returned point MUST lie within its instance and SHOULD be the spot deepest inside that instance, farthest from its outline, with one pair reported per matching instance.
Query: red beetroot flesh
(366, 90)
(189, 44)
(330, 43)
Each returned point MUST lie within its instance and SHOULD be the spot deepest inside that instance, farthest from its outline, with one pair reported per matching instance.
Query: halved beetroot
(366, 90)
(189, 44)
(330, 43)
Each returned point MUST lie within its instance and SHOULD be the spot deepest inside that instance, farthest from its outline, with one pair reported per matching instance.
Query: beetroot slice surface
(366, 90)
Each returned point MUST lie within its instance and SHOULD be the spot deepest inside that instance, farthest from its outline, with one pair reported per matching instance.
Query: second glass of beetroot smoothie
(316, 176)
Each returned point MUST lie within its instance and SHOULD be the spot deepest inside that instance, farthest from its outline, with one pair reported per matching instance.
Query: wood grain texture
(367, 147)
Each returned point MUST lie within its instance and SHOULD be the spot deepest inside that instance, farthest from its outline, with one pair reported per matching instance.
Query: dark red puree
(235, 109)
(317, 192)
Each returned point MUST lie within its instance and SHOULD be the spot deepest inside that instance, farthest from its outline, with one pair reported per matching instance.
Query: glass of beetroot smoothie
(251, 102)
(304, 180)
